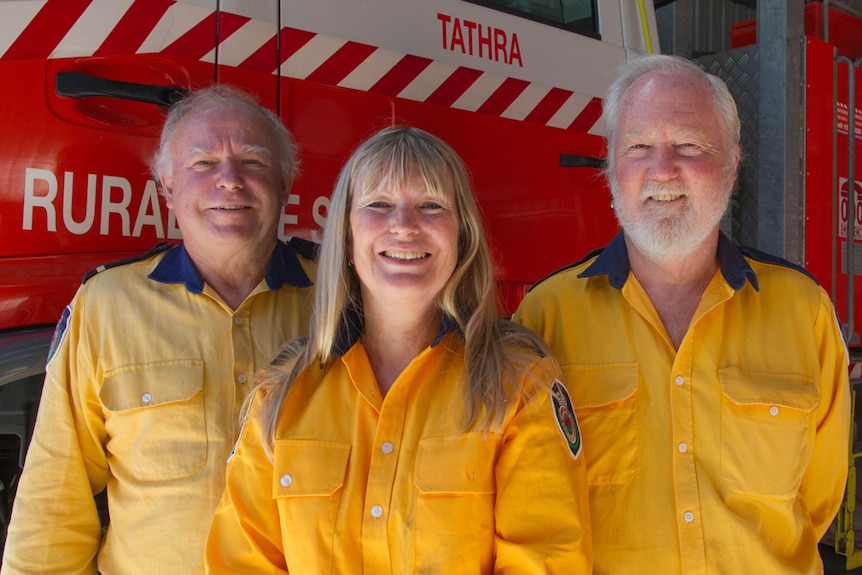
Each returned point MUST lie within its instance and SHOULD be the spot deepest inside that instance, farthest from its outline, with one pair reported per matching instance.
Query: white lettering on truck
(40, 204)
(40, 194)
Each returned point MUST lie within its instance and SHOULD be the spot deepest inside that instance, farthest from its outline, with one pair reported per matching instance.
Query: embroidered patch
(59, 332)
(566, 419)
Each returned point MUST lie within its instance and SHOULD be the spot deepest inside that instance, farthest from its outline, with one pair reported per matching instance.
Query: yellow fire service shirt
(141, 397)
(392, 486)
(728, 456)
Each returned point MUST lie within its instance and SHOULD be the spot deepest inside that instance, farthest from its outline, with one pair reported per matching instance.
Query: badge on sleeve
(59, 332)
(566, 419)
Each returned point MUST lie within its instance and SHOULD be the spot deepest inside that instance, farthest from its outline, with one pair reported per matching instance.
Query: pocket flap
(149, 384)
(457, 464)
(597, 385)
(306, 467)
(793, 390)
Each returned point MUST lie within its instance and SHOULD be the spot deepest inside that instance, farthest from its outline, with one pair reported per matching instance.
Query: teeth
(407, 256)
(665, 197)
(230, 207)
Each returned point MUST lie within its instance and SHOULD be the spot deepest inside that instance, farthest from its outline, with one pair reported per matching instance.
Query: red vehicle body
(517, 94)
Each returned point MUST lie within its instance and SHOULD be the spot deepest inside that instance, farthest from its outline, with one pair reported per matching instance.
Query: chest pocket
(155, 419)
(308, 477)
(455, 484)
(767, 430)
(605, 401)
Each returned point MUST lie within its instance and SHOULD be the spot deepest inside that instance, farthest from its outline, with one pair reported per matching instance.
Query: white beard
(669, 237)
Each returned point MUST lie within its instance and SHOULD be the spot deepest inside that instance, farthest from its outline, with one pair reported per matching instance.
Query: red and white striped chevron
(41, 29)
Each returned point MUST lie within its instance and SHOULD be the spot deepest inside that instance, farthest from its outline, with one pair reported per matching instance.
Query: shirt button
(386, 448)
(376, 511)
(242, 378)
(689, 516)
(146, 398)
(286, 480)
(773, 411)
(683, 447)
(679, 380)
(237, 320)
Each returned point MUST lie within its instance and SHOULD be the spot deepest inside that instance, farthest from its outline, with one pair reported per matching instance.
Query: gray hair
(675, 65)
(227, 97)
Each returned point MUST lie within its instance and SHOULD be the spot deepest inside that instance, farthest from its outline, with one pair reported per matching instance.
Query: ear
(167, 189)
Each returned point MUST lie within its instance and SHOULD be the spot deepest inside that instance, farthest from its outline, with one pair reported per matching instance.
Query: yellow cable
(645, 26)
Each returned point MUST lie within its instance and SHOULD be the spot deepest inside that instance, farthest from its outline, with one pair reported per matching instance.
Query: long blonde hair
(492, 346)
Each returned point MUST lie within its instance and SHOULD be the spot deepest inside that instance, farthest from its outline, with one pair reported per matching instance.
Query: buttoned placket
(381, 473)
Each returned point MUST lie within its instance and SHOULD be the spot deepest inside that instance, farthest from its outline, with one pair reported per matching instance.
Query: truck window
(576, 15)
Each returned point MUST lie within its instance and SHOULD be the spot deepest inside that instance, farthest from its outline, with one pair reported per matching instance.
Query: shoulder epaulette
(158, 248)
(767, 258)
(308, 250)
(587, 257)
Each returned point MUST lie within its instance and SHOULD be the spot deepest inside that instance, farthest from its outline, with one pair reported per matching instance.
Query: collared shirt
(142, 398)
(364, 484)
(725, 456)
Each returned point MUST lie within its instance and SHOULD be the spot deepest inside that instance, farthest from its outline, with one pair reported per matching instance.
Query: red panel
(76, 192)
(845, 31)
(827, 206)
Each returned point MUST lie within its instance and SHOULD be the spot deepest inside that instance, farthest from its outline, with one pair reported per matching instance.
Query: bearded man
(710, 381)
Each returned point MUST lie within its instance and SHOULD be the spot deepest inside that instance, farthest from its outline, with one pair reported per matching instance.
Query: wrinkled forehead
(239, 121)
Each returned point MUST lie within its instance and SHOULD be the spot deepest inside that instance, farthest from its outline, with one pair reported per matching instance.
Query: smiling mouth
(405, 256)
(230, 208)
(665, 197)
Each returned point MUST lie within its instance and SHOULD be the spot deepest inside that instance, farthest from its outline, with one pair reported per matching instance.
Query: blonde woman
(413, 431)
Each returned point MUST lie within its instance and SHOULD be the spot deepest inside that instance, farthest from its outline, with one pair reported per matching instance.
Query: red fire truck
(514, 86)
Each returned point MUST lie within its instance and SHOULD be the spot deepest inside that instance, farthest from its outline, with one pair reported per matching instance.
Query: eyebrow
(246, 148)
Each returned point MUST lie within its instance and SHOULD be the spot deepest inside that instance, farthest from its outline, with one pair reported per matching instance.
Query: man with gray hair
(154, 356)
(710, 381)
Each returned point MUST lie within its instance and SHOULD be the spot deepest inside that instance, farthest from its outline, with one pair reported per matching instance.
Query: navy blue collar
(613, 261)
(177, 267)
(353, 323)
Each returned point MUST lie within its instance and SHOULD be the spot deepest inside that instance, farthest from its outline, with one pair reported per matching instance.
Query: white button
(679, 380)
(386, 447)
(146, 398)
(683, 447)
(286, 480)
(773, 411)
(689, 516)
(376, 511)
(237, 320)
(242, 378)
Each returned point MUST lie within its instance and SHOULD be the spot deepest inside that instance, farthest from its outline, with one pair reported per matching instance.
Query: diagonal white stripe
(369, 72)
(427, 81)
(311, 56)
(178, 20)
(526, 102)
(569, 111)
(479, 92)
(91, 29)
(16, 17)
(237, 47)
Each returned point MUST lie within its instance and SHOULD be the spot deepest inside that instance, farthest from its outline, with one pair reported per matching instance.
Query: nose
(228, 176)
(663, 165)
(404, 220)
